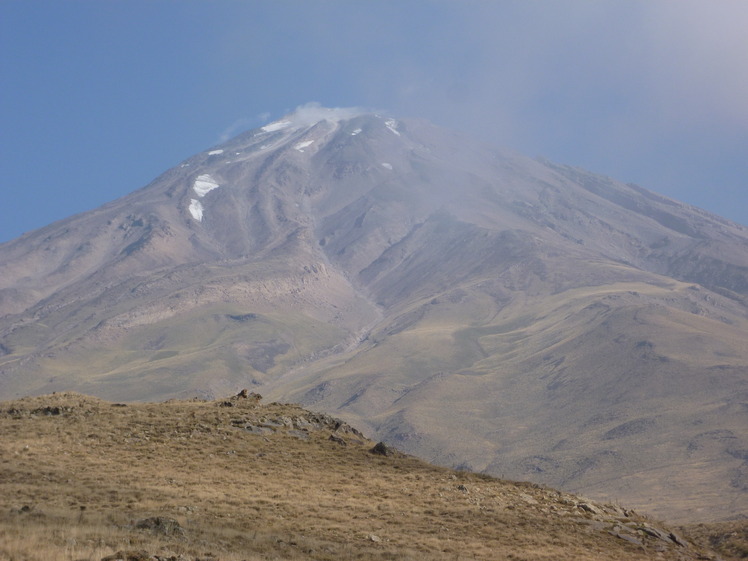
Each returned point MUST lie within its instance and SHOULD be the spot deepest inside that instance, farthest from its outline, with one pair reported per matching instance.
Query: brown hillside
(83, 479)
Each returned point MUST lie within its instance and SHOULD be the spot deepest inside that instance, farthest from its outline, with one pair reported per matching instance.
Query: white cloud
(631, 88)
(698, 59)
(237, 127)
(312, 112)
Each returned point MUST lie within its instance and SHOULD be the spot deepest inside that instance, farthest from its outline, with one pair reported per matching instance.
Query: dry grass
(729, 539)
(77, 473)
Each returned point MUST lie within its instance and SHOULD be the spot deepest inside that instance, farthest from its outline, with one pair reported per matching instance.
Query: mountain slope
(234, 479)
(472, 306)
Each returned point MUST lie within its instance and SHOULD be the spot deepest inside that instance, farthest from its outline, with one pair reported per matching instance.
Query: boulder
(338, 440)
(161, 525)
(381, 449)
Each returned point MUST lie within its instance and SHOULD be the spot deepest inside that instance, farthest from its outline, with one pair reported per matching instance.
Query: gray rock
(676, 539)
(262, 430)
(161, 525)
(338, 440)
(381, 449)
(627, 537)
(587, 507)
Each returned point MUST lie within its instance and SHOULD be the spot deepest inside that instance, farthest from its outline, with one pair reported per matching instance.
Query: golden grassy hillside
(230, 480)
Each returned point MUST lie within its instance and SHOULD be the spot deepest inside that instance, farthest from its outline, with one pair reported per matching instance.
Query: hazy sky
(99, 97)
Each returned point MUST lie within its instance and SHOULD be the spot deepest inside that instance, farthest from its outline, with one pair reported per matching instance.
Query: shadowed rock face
(469, 305)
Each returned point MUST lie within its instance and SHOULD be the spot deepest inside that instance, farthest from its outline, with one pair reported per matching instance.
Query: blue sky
(99, 97)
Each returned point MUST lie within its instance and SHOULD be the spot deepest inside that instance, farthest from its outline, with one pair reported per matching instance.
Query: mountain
(234, 479)
(469, 305)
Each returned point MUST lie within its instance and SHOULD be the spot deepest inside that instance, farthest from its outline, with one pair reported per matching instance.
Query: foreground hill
(466, 304)
(233, 479)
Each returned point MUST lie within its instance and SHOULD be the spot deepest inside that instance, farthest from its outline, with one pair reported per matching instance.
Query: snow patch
(215, 152)
(301, 145)
(204, 184)
(196, 210)
(357, 131)
(276, 126)
(392, 125)
(386, 165)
